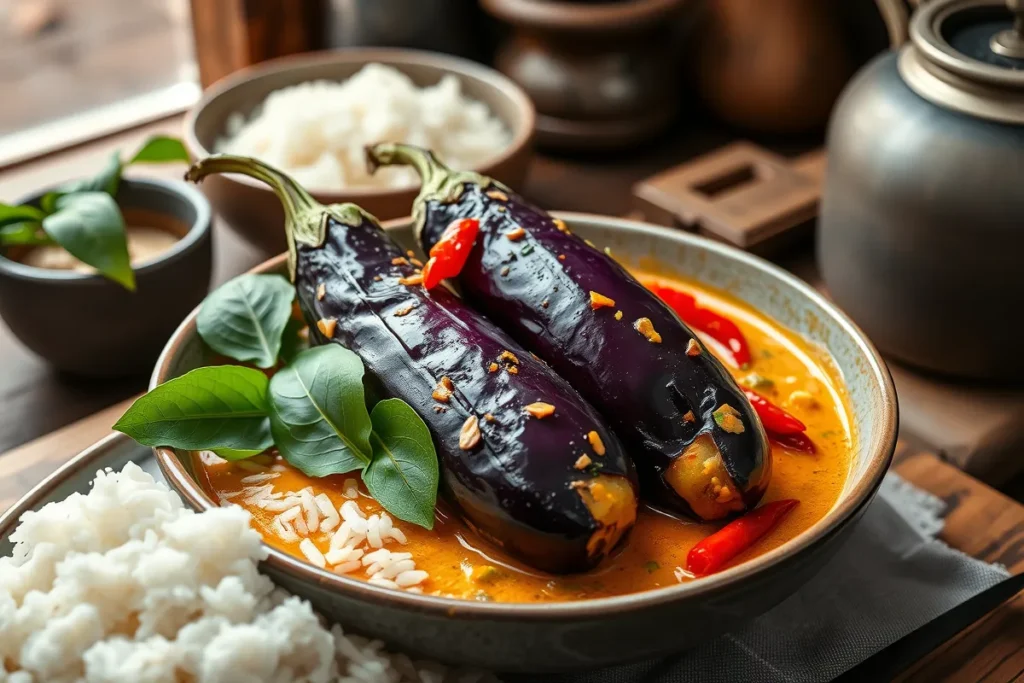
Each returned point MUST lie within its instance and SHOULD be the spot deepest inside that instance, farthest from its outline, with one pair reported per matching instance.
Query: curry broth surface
(462, 565)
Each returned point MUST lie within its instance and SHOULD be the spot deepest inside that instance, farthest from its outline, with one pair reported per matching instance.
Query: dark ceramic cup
(87, 325)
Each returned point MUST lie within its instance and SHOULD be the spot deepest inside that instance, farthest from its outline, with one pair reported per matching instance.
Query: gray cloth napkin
(890, 577)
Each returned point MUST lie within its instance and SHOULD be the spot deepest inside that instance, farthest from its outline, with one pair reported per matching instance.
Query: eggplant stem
(439, 182)
(305, 218)
(431, 170)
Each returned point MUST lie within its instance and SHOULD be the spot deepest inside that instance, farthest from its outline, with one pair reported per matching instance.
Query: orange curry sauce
(790, 372)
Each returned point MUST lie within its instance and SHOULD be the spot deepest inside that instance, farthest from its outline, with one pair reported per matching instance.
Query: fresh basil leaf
(18, 214)
(160, 149)
(107, 180)
(210, 408)
(317, 412)
(90, 227)
(49, 202)
(23, 234)
(293, 341)
(403, 474)
(245, 317)
(234, 454)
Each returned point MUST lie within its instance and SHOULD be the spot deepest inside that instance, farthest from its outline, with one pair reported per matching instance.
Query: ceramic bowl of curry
(480, 608)
(87, 325)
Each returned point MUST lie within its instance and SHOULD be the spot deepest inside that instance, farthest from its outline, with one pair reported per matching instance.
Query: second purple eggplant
(698, 444)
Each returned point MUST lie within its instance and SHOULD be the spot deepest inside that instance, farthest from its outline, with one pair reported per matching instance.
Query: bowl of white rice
(312, 116)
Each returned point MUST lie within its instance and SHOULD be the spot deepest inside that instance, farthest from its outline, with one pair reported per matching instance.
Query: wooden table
(35, 401)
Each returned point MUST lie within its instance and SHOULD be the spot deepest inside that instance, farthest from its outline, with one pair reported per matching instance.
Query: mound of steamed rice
(126, 585)
(317, 131)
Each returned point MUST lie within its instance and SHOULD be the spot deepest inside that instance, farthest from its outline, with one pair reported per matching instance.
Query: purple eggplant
(699, 447)
(531, 483)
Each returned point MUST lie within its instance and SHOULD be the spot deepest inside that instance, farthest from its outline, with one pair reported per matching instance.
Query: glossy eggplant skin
(537, 288)
(516, 487)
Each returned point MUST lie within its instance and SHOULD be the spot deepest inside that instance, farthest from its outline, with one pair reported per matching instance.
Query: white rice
(317, 131)
(125, 584)
(313, 553)
(259, 478)
(342, 550)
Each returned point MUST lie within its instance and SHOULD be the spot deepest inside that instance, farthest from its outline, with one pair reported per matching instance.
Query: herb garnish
(244, 318)
(313, 409)
(82, 216)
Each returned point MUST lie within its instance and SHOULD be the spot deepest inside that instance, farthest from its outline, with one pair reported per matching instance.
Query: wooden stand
(741, 194)
(233, 34)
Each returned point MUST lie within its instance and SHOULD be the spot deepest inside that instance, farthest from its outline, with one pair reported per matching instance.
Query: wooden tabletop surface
(35, 401)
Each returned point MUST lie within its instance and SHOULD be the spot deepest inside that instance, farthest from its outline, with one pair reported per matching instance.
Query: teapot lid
(968, 55)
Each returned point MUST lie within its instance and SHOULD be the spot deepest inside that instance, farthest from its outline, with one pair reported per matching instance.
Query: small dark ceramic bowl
(607, 631)
(88, 325)
(251, 208)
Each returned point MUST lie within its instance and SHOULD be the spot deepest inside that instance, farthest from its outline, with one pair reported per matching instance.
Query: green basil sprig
(318, 412)
(403, 469)
(90, 227)
(245, 318)
(313, 409)
(211, 408)
(76, 217)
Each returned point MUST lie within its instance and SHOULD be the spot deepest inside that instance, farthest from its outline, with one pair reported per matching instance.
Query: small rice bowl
(126, 584)
(317, 131)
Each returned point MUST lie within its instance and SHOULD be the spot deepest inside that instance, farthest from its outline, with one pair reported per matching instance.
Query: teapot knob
(1010, 43)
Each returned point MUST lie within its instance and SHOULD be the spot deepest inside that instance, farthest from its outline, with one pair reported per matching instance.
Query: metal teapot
(921, 230)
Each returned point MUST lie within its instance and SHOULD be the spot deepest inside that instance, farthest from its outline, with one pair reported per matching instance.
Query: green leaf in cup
(403, 474)
(215, 408)
(19, 214)
(160, 149)
(245, 318)
(318, 412)
(90, 227)
(23, 234)
(107, 180)
(155, 150)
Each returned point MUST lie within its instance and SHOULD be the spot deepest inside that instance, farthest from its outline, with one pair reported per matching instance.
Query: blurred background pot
(779, 66)
(600, 74)
(456, 27)
(920, 227)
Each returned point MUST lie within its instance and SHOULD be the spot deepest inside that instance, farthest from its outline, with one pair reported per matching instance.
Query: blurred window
(71, 70)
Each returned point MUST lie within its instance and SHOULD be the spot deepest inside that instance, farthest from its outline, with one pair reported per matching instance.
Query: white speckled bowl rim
(790, 301)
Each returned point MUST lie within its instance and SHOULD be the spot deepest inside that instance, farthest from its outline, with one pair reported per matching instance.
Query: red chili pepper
(449, 254)
(712, 553)
(718, 327)
(794, 442)
(775, 419)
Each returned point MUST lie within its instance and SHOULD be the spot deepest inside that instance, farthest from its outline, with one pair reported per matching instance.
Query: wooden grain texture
(24, 467)
(741, 193)
(979, 521)
(233, 34)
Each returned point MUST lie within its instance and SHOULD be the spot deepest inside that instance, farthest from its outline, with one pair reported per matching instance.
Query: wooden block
(232, 34)
(741, 194)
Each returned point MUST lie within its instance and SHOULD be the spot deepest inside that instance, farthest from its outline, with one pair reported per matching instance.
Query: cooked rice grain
(125, 584)
(317, 131)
